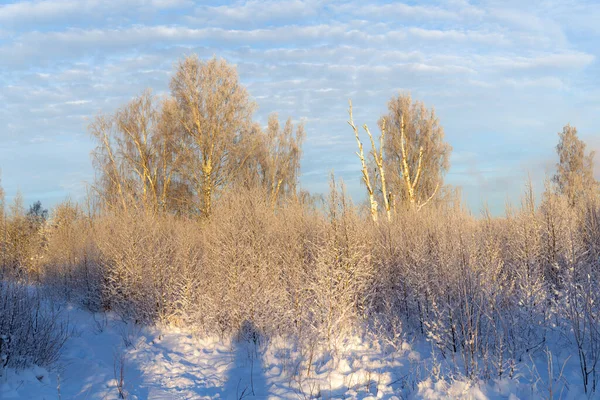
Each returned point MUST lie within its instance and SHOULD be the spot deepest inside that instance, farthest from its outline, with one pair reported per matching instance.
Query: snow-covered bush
(31, 332)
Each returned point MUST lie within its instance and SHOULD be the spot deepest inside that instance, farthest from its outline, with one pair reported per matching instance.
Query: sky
(503, 76)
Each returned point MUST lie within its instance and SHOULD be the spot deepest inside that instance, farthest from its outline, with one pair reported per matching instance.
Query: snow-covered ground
(175, 364)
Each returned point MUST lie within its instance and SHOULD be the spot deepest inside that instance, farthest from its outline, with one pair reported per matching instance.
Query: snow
(169, 363)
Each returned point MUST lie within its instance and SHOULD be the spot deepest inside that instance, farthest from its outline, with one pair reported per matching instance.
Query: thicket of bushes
(486, 291)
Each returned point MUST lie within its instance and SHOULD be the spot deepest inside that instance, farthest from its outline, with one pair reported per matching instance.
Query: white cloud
(255, 12)
(22, 13)
(397, 9)
(31, 10)
(77, 102)
(570, 60)
(461, 36)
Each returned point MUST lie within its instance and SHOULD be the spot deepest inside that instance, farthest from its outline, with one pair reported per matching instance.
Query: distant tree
(18, 235)
(575, 169)
(2, 205)
(415, 155)
(17, 207)
(2, 226)
(37, 213)
(278, 156)
(215, 112)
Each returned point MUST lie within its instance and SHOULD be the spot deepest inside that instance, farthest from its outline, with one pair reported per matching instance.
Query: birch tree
(279, 157)
(138, 156)
(214, 111)
(174, 194)
(135, 129)
(416, 157)
(366, 178)
(575, 169)
(125, 157)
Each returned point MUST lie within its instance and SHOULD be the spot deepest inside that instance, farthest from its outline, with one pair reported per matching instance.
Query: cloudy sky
(504, 77)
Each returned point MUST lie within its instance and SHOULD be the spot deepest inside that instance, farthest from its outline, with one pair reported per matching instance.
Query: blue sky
(503, 76)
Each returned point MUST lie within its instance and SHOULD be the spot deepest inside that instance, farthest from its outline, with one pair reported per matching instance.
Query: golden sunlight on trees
(177, 154)
(575, 169)
(411, 160)
(126, 157)
(215, 112)
(415, 153)
(364, 167)
(279, 157)
(271, 158)
(137, 155)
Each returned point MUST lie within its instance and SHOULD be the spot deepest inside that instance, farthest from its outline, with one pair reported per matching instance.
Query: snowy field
(106, 357)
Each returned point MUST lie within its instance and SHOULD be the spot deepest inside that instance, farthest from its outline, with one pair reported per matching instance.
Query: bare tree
(135, 128)
(110, 183)
(2, 228)
(214, 112)
(364, 168)
(575, 169)
(139, 155)
(415, 153)
(174, 193)
(279, 157)
(19, 237)
(125, 156)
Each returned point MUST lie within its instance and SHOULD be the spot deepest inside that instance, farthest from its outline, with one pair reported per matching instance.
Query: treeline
(199, 222)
